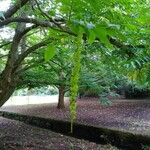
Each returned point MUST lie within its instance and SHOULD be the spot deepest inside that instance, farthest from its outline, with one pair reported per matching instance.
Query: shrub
(146, 147)
(132, 91)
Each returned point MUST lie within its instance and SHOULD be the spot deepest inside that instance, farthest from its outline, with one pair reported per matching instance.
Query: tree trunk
(61, 103)
(7, 87)
(8, 77)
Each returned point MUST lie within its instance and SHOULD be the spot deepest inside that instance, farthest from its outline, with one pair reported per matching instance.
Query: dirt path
(132, 116)
(15, 135)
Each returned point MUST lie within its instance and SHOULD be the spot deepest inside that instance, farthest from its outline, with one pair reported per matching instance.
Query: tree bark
(7, 87)
(9, 78)
(61, 103)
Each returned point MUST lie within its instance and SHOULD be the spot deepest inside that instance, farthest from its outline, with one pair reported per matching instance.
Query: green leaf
(93, 3)
(49, 53)
(114, 26)
(133, 64)
(74, 28)
(138, 63)
(101, 33)
(81, 30)
(91, 37)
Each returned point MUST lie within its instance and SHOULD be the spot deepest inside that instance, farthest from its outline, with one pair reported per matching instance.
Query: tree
(115, 24)
(55, 72)
(9, 77)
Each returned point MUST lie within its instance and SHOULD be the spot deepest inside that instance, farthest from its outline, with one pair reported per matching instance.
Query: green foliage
(64, 23)
(145, 147)
(104, 98)
(134, 90)
(49, 53)
(105, 101)
(40, 91)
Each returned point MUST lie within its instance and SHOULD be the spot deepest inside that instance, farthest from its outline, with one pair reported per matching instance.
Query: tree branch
(44, 14)
(119, 44)
(52, 25)
(2, 56)
(37, 83)
(30, 50)
(5, 44)
(27, 67)
(13, 53)
(13, 9)
(27, 20)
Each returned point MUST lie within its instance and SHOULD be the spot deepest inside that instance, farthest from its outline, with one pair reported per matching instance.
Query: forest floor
(15, 135)
(125, 115)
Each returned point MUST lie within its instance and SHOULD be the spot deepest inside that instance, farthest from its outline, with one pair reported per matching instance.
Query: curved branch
(12, 56)
(27, 67)
(5, 44)
(44, 14)
(13, 9)
(30, 50)
(51, 24)
(18, 36)
(27, 20)
(119, 44)
(2, 56)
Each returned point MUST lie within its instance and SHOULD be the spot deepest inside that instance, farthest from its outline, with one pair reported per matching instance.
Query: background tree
(55, 72)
